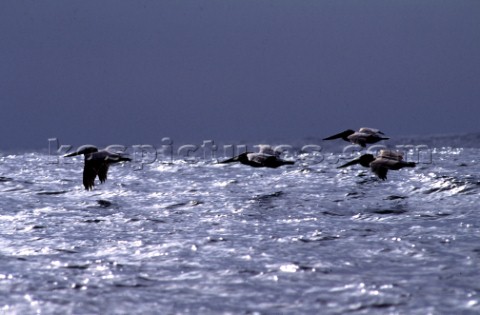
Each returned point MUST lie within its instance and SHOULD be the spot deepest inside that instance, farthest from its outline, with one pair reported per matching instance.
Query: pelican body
(96, 164)
(266, 157)
(384, 161)
(361, 137)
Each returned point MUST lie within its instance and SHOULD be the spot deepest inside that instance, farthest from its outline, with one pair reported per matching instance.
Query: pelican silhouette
(266, 157)
(384, 161)
(96, 164)
(361, 137)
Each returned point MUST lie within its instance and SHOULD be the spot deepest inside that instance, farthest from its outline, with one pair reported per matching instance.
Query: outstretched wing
(361, 141)
(90, 171)
(102, 172)
(380, 170)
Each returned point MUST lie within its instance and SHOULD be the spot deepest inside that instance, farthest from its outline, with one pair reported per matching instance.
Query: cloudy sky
(133, 72)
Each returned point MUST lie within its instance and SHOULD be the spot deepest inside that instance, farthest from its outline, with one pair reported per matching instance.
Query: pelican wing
(90, 171)
(381, 166)
(102, 172)
(379, 169)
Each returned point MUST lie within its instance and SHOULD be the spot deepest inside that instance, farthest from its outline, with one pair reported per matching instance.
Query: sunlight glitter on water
(216, 239)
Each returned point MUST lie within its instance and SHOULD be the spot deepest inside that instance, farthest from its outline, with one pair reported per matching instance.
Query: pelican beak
(71, 154)
(234, 159)
(352, 162)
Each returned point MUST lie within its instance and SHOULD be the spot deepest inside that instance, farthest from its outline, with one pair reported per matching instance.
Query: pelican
(266, 157)
(96, 163)
(384, 161)
(361, 137)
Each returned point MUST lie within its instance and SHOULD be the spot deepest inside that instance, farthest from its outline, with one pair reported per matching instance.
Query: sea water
(199, 237)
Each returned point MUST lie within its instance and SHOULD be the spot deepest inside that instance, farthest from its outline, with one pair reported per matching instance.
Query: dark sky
(133, 72)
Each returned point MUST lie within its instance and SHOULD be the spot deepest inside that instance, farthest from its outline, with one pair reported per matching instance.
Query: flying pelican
(266, 157)
(384, 161)
(96, 163)
(361, 137)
